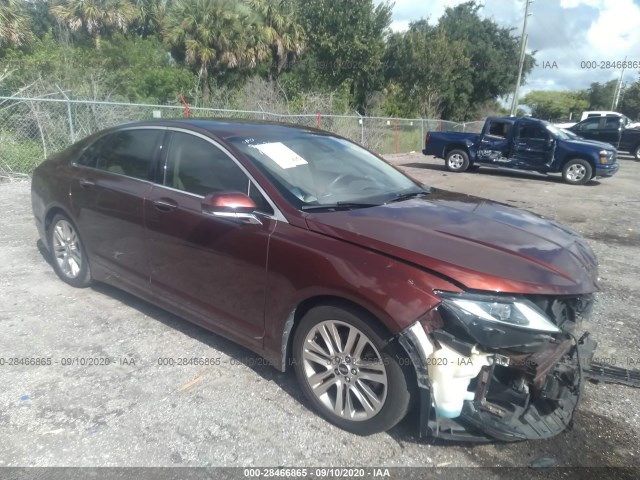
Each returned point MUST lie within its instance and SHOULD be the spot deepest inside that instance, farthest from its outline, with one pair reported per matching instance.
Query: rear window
(128, 152)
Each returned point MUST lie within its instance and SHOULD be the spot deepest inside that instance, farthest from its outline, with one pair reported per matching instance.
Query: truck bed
(438, 142)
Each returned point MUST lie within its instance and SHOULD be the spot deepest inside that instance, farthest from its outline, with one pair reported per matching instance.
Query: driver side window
(590, 124)
(197, 166)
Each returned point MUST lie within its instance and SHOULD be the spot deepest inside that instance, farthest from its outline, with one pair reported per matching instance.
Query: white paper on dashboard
(281, 154)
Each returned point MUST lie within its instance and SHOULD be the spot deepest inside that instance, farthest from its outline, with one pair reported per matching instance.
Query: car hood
(591, 143)
(476, 243)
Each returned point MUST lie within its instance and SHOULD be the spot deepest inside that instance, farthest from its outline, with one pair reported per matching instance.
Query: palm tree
(14, 25)
(281, 31)
(95, 16)
(211, 34)
(151, 15)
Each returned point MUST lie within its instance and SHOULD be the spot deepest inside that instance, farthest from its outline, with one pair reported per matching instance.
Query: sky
(567, 32)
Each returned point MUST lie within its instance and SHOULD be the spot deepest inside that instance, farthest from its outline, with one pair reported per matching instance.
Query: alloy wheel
(456, 161)
(576, 172)
(66, 249)
(344, 370)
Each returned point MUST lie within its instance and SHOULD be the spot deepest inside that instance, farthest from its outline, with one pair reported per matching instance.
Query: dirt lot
(238, 412)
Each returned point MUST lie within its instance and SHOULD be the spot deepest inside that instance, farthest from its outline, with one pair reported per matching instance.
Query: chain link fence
(31, 129)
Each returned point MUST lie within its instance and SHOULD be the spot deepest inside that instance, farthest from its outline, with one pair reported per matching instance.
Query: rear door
(113, 177)
(611, 130)
(212, 268)
(533, 146)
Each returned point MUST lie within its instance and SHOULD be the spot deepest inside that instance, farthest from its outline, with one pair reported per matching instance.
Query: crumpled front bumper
(496, 411)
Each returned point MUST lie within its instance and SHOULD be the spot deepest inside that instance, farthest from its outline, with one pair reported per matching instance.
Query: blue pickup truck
(526, 144)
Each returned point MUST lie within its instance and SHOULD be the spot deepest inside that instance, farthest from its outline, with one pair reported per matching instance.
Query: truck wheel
(577, 172)
(457, 161)
(636, 152)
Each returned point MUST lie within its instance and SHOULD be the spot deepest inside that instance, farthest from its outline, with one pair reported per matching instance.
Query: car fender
(306, 267)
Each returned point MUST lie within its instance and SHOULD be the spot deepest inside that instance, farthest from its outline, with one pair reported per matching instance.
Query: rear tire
(348, 372)
(68, 256)
(457, 161)
(636, 152)
(577, 172)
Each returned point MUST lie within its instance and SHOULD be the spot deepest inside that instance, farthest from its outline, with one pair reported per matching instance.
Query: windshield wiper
(407, 196)
(339, 206)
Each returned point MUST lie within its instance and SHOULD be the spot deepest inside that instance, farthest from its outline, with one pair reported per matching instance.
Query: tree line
(340, 55)
(559, 105)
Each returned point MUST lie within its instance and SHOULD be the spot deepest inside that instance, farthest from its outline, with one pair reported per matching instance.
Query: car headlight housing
(605, 156)
(497, 321)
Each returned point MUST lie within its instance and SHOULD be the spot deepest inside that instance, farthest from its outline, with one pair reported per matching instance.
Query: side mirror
(233, 206)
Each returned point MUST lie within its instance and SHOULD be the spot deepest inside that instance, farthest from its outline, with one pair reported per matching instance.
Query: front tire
(348, 372)
(636, 152)
(68, 255)
(577, 172)
(457, 161)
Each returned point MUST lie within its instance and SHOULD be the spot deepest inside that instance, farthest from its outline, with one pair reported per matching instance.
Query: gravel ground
(239, 412)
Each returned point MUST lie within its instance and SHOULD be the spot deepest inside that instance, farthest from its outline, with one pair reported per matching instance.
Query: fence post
(397, 143)
(361, 122)
(421, 130)
(72, 132)
(186, 106)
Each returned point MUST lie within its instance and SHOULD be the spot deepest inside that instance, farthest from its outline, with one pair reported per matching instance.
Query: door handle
(165, 204)
(85, 183)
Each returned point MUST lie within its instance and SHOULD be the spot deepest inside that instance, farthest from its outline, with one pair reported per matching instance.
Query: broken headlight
(497, 321)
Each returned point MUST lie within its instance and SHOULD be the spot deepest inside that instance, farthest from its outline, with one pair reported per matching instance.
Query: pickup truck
(610, 129)
(526, 144)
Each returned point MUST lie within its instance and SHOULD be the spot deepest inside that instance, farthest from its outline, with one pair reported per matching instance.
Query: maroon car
(315, 253)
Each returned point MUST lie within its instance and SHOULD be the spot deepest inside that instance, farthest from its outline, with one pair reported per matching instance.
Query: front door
(533, 146)
(211, 267)
(589, 129)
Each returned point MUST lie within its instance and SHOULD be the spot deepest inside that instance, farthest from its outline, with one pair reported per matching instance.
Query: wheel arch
(456, 146)
(296, 315)
(580, 156)
(51, 212)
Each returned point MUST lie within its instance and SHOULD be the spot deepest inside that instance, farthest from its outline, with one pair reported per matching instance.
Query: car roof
(504, 119)
(228, 128)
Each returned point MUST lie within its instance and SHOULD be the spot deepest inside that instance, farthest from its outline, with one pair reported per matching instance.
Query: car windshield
(316, 171)
(558, 132)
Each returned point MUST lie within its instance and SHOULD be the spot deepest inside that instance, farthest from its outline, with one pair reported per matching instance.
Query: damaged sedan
(381, 293)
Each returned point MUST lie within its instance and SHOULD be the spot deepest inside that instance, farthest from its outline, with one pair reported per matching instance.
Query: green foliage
(42, 21)
(18, 155)
(14, 24)
(138, 70)
(429, 73)
(212, 34)
(555, 104)
(601, 95)
(630, 101)
(345, 45)
(313, 55)
(95, 17)
(494, 54)
(279, 29)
